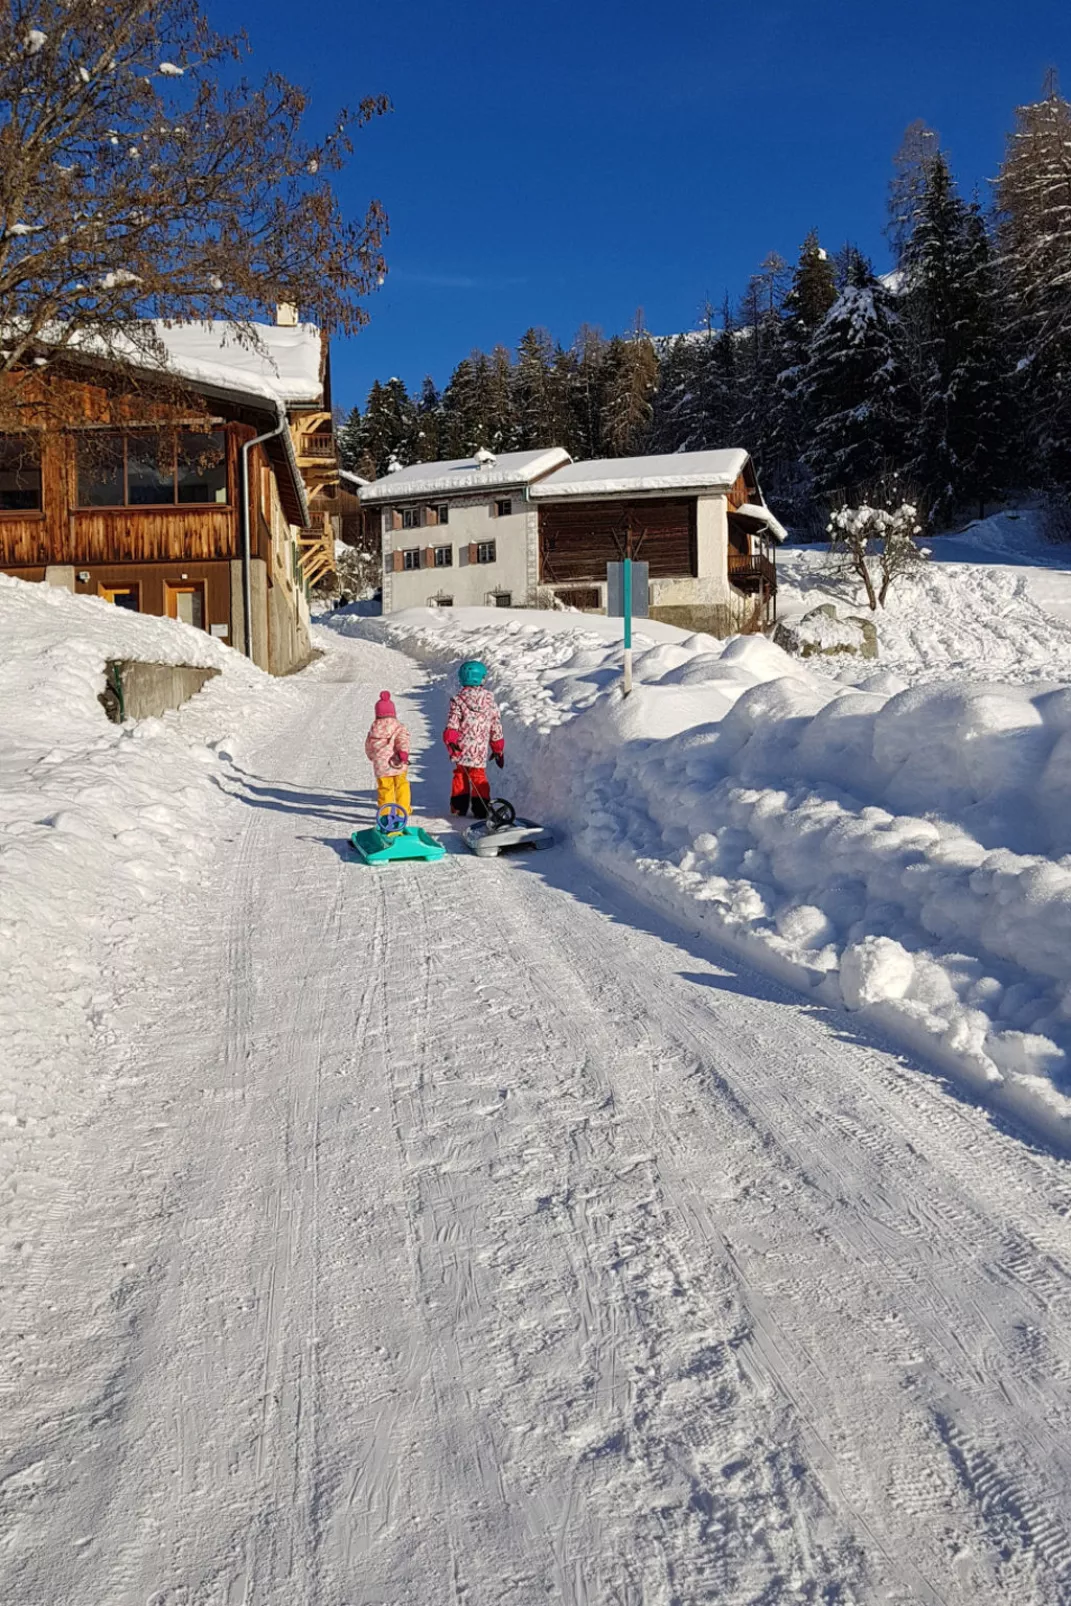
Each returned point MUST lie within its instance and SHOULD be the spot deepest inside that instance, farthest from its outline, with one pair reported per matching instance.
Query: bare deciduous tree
(141, 178)
(859, 534)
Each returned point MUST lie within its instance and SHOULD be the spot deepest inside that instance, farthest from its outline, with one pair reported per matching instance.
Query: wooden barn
(697, 519)
(126, 482)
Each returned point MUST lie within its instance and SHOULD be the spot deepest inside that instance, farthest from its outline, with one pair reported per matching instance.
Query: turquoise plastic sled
(379, 847)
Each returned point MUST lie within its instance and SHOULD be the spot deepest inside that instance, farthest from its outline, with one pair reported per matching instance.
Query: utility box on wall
(615, 591)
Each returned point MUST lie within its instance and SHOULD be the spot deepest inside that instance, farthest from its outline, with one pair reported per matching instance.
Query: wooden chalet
(126, 482)
(697, 519)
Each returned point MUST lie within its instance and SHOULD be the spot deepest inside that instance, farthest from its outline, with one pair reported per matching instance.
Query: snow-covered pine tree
(465, 409)
(811, 294)
(630, 379)
(427, 423)
(386, 431)
(763, 355)
(348, 438)
(958, 452)
(501, 421)
(535, 409)
(854, 390)
(1034, 197)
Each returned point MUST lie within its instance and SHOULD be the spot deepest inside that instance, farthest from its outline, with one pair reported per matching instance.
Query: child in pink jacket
(387, 745)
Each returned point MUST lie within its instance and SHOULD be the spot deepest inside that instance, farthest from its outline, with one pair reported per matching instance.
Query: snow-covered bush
(865, 534)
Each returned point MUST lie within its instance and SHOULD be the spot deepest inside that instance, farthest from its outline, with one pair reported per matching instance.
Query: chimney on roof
(485, 458)
(286, 315)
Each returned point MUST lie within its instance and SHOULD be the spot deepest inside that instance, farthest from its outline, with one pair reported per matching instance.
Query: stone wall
(137, 690)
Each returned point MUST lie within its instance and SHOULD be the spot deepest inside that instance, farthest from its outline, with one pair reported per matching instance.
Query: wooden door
(186, 602)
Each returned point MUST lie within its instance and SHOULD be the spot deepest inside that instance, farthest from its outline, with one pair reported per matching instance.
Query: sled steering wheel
(500, 814)
(391, 819)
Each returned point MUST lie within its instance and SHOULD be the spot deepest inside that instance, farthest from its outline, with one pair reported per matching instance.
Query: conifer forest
(947, 380)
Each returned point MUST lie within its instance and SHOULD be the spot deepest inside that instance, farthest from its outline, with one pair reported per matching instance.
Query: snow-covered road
(465, 1235)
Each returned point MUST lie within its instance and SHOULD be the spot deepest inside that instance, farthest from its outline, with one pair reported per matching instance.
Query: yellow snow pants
(394, 789)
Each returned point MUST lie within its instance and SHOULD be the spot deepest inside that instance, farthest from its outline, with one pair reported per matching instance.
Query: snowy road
(466, 1236)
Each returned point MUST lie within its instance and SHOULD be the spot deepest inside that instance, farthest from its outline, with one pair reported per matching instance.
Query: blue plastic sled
(412, 843)
(393, 838)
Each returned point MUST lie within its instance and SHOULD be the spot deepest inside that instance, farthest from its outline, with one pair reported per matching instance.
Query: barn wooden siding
(578, 540)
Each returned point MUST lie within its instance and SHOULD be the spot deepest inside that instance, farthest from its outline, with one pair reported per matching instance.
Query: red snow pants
(470, 785)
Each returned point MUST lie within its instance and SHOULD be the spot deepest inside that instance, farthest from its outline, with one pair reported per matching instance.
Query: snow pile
(95, 820)
(902, 852)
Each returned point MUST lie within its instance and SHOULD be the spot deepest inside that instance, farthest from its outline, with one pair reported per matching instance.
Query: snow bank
(95, 820)
(901, 852)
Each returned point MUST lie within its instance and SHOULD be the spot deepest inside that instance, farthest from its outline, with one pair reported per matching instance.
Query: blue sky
(574, 160)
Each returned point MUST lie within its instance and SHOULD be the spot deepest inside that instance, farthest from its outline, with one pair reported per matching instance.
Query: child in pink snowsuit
(387, 745)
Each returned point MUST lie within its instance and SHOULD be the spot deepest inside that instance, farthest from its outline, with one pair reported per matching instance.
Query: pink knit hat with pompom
(385, 709)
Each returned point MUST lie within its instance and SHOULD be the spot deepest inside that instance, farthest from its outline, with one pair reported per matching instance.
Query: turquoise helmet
(473, 672)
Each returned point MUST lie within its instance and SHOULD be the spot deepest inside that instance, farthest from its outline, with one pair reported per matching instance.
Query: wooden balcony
(321, 446)
(753, 574)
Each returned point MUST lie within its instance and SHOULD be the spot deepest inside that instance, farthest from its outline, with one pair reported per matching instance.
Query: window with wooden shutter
(399, 561)
(429, 557)
(492, 509)
(395, 518)
(431, 515)
(472, 551)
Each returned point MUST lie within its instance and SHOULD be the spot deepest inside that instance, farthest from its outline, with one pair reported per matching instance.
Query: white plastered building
(462, 533)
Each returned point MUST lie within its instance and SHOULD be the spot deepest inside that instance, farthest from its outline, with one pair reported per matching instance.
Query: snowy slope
(994, 602)
(895, 850)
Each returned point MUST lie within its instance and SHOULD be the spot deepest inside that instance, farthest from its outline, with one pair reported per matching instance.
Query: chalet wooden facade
(111, 491)
(696, 519)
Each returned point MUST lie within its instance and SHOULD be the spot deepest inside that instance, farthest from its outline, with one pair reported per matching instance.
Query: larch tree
(918, 150)
(142, 179)
(630, 379)
(1034, 198)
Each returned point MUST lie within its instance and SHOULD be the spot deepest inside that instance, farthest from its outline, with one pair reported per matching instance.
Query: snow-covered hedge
(906, 855)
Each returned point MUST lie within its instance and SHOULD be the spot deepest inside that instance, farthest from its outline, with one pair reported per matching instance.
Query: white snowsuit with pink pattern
(387, 744)
(472, 726)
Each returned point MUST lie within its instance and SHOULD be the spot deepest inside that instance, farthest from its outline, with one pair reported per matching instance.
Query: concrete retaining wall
(145, 691)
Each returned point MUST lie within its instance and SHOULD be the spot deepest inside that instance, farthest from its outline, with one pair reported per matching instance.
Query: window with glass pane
(20, 475)
(150, 469)
(100, 469)
(202, 467)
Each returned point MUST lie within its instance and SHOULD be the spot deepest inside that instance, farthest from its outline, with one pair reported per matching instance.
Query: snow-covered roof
(356, 480)
(465, 475)
(670, 471)
(287, 368)
(752, 510)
